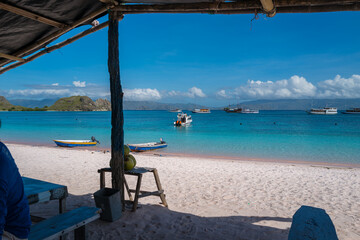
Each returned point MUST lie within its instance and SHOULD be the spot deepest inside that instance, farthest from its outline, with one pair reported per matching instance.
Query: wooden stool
(137, 171)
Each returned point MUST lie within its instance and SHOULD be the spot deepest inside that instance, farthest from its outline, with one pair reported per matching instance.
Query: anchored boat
(142, 147)
(77, 143)
(323, 111)
(183, 120)
(203, 110)
(352, 111)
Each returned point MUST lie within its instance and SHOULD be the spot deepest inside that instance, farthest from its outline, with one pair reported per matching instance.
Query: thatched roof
(27, 26)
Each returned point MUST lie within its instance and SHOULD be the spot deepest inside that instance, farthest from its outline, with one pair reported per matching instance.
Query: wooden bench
(138, 171)
(64, 223)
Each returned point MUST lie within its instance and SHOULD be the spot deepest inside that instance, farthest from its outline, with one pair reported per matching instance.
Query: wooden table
(41, 191)
(138, 171)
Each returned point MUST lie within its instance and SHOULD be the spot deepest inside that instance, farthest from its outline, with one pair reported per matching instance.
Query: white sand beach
(208, 198)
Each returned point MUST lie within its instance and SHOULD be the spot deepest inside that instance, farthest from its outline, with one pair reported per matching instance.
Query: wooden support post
(117, 117)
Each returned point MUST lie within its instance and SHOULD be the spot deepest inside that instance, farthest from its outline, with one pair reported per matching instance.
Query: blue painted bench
(65, 223)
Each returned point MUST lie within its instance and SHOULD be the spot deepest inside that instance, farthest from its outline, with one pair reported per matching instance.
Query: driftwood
(117, 116)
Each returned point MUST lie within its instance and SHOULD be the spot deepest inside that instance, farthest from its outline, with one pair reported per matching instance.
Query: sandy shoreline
(203, 156)
(208, 198)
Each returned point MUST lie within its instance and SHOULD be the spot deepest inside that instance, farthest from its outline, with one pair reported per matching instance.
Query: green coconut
(126, 150)
(129, 164)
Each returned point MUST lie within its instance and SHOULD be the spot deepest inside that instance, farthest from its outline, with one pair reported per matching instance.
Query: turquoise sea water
(291, 135)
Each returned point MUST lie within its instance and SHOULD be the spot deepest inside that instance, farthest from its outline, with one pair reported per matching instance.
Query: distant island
(74, 103)
(84, 103)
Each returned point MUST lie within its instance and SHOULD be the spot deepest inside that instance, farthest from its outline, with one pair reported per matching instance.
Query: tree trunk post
(117, 117)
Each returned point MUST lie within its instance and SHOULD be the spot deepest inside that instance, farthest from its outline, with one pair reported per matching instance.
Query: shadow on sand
(158, 222)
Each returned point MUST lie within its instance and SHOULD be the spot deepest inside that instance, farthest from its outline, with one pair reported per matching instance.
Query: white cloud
(340, 87)
(195, 92)
(294, 87)
(191, 93)
(38, 92)
(55, 84)
(79, 84)
(142, 94)
(222, 94)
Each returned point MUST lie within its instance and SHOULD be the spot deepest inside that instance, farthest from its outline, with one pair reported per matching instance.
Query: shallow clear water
(293, 135)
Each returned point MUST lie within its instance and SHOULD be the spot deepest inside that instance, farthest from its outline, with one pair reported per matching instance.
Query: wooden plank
(10, 57)
(63, 223)
(117, 115)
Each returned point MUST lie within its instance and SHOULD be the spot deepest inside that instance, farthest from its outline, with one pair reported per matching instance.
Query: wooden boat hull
(75, 143)
(146, 146)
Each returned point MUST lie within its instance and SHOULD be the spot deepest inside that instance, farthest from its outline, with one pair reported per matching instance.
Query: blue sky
(206, 59)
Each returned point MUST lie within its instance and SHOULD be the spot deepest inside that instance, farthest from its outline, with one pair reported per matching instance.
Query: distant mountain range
(299, 104)
(83, 103)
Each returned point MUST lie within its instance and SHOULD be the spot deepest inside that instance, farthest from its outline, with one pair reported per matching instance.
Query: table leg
(159, 187)
(62, 205)
(137, 192)
(102, 179)
(128, 189)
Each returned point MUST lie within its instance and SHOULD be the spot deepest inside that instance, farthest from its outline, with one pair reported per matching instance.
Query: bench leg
(128, 189)
(159, 187)
(138, 185)
(80, 233)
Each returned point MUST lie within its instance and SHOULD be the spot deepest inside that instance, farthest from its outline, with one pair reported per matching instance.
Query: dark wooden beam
(238, 7)
(31, 15)
(117, 116)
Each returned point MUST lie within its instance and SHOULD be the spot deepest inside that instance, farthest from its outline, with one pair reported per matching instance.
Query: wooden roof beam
(31, 15)
(240, 7)
(3, 55)
(268, 7)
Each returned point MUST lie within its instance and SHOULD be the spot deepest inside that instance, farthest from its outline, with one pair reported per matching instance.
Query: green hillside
(74, 103)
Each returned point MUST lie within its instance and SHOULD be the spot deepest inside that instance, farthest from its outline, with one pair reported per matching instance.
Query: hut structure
(28, 28)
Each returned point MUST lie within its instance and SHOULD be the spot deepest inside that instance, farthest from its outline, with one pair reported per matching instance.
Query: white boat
(183, 120)
(176, 110)
(142, 147)
(323, 111)
(246, 110)
(202, 110)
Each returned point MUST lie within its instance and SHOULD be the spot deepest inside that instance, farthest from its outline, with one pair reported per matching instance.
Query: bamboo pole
(56, 46)
(117, 117)
(31, 15)
(7, 56)
(268, 7)
(28, 49)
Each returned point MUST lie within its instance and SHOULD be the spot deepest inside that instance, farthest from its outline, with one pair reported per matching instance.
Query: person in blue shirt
(14, 208)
